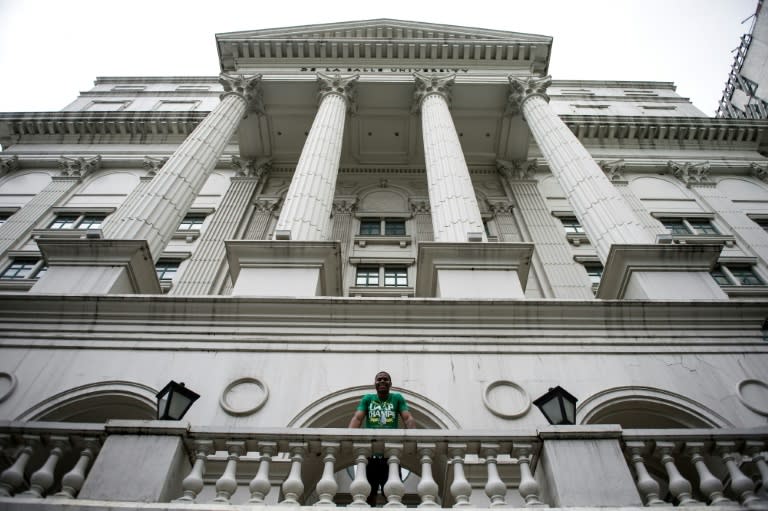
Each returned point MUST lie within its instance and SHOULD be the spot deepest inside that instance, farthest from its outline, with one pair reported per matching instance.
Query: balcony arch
(96, 402)
(647, 407)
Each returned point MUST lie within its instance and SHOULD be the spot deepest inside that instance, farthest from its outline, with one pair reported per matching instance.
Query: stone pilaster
(455, 213)
(265, 210)
(422, 217)
(343, 211)
(155, 214)
(306, 212)
(560, 274)
(205, 270)
(16, 229)
(634, 266)
(614, 171)
(748, 234)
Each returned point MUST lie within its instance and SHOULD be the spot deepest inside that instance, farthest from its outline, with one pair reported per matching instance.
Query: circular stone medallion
(7, 385)
(506, 399)
(244, 396)
(754, 395)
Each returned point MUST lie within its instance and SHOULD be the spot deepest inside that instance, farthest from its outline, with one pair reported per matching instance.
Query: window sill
(388, 292)
(16, 284)
(576, 238)
(64, 233)
(748, 291)
(699, 239)
(403, 241)
(189, 236)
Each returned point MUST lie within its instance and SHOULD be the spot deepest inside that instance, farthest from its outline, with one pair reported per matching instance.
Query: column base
(285, 268)
(473, 270)
(660, 272)
(97, 266)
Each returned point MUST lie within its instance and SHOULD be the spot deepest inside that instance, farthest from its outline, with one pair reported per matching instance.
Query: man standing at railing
(381, 410)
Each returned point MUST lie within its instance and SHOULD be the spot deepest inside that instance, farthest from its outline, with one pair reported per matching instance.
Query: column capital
(255, 167)
(760, 171)
(614, 170)
(267, 204)
(499, 206)
(80, 166)
(247, 87)
(8, 164)
(420, 207)
(153, 165)
(427, 85)
(344, 86)
(347, 205)
(690, 173)
(517, 170)
(520, 89)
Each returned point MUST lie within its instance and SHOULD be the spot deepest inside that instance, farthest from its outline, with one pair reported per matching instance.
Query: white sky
(50, 50)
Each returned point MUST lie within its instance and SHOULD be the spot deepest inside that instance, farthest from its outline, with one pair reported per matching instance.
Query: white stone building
(371, 195)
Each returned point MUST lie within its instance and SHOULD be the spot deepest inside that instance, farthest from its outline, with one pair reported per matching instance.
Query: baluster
(679, 486)
(742, 486)
(260, 484)
(647, 486)
(394, 489)
(193, 483)
(360, 488)
(529, 487)
(42, 479)
(327, 486)
(226, 485)
(460, 488)
(494, 487)
(427, 487)
(12, 477)
(74, 479)
(757, 451)
(709, 485)
(293, 487)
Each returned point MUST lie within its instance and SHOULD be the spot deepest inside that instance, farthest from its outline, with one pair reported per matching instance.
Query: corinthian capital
(760, 171)
(247, 87)
(344, 86)
(516, 170)
(614, 170)
(8, 164)
(520, 89)
(153, 165)
(427, 85)
(80, 166)
(255, 168)
(690, 173)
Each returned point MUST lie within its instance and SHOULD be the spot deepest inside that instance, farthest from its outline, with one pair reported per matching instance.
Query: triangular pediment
(384, 29)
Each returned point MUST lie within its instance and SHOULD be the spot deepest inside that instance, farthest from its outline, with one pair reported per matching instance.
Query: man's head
(382, 383)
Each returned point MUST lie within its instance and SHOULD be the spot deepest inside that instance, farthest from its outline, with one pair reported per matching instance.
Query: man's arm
(408, 420)
(357, 419)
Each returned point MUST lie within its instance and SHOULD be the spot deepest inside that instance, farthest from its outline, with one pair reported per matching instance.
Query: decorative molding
(153, 165)
(346, 87)
(247, 87)
(691, 173)
(254, 168)
(347, 206)
(420, 207)
(614, 170)
(10, 386)
(500, 411)
(520, 89)
(259, 402)
(79, 166)
(760, 171)
(517, 170)
(498, 206)
(8, 164)
(752, 394)
(428, 85)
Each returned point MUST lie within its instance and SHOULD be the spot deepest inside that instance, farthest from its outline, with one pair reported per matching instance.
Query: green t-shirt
(382, 414)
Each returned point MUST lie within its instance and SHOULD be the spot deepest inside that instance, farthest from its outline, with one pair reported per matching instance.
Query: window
(4, 217)
(371, 276)
(24, 268)
(191, 222)
(377, 226)
(736, 275)
(595, 273)
(166, 270)
(106, 106)
(571, 225)
(689, 226)
(762, 222)
(77, 221)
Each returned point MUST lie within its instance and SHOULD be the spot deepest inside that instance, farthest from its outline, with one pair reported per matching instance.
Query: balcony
(169, 465)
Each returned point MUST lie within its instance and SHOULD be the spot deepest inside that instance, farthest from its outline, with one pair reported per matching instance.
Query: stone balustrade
(206, 466)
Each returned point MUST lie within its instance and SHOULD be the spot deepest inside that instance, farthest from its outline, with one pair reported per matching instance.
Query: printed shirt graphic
(382, 414)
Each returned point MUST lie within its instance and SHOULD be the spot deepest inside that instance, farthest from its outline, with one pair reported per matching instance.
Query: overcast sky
(50, 50)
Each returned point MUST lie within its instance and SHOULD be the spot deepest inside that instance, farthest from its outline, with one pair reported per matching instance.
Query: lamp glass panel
(179, 405)
(161, 406)
(570, 411)
(552, 410)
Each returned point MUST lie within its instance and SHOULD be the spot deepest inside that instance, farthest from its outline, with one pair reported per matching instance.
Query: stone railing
(169, 465)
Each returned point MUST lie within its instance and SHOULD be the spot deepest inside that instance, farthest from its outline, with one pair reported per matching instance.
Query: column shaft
(306, 212)
(605, 215)
(154, 214)
(205, 266)
(454, 207)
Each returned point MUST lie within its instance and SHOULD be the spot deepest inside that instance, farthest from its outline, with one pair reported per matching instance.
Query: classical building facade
(383, 194)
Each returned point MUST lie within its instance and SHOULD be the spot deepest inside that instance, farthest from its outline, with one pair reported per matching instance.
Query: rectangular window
(129, 88)
(192, 88)
(762, 222)
(4, 217)
(91, 222)
(689, 226)
(736, 275)
(77, 221)
(571, 225)
(166, 270)
(387, 226)
(24, 268)
(370, 227)
(191, 222)
(367, 276)
(395, 277)
(107, 106)
(394, 227)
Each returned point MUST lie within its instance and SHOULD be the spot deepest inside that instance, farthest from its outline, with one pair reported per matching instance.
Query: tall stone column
(307, 209)
(20, 224)
(136, 234)
(454, 265)
(203, 273)
(561, 276)
(634, 266)
(455, 213)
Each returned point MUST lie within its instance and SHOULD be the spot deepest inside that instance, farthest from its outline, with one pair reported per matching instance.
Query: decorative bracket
(759, 171)
(614, 170)
(8, 164)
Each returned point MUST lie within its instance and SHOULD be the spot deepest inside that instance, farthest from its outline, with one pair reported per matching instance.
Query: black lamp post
(174, 401)
(558, 406)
